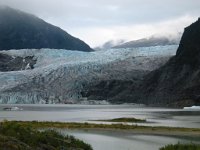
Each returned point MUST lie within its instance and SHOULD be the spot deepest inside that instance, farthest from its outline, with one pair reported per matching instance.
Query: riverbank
(166, 131)
(127, 135)
(17, 136)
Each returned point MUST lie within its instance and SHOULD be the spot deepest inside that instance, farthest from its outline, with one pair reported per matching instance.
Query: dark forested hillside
(19, 30)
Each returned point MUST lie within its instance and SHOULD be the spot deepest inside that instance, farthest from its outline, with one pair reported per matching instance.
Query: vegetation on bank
(134, 120)
(24, 135)
(18, 136)
(118, 126)
(181, 147)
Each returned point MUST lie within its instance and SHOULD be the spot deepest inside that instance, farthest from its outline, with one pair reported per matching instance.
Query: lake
(110, 140)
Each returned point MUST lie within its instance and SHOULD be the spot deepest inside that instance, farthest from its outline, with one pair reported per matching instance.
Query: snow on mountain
(59, 76)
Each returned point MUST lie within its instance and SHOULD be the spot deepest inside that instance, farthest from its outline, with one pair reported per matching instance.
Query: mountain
(109, 44)
(147, 42)
(20, 30)
(176, 84)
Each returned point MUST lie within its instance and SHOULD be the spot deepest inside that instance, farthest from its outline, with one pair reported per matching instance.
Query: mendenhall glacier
(59, 76)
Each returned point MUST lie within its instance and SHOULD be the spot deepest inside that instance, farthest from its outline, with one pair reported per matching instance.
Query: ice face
(60, 75)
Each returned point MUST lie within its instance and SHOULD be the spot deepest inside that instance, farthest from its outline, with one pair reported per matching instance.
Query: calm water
(102, 140)
(83, 113)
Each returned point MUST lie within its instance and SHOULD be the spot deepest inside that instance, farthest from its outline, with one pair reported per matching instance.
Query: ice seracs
(12, 109)
(193, 108)
(60, 76)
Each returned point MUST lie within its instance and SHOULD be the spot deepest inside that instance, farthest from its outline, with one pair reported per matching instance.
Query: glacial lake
(110, 140)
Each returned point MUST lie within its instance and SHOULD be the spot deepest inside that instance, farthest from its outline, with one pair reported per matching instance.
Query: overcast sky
(98, 21)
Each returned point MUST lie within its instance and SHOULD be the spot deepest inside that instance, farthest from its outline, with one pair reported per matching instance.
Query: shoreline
(134, 129)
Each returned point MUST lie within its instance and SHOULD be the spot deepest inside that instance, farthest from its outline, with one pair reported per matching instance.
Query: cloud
(101, 35)
(95, 21)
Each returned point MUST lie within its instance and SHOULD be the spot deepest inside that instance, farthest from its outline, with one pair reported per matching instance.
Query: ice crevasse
(60, 75)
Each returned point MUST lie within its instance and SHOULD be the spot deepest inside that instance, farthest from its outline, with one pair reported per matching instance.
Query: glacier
(59, 76)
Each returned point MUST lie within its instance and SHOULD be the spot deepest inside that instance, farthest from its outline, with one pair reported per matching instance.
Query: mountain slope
(176, 84)
(146, 42)
(20, 30)
(109, 44)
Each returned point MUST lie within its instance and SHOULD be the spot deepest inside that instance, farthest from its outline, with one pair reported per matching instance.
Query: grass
(181, 147)
(124, 120)
(24, 135)
(17, 136)
(124, 127)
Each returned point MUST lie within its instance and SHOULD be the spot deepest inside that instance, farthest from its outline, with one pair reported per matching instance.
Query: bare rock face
(21, 30)
(9, 63)
(189, 49)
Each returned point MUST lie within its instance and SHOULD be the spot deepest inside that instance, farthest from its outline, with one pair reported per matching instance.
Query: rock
(9, 63)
